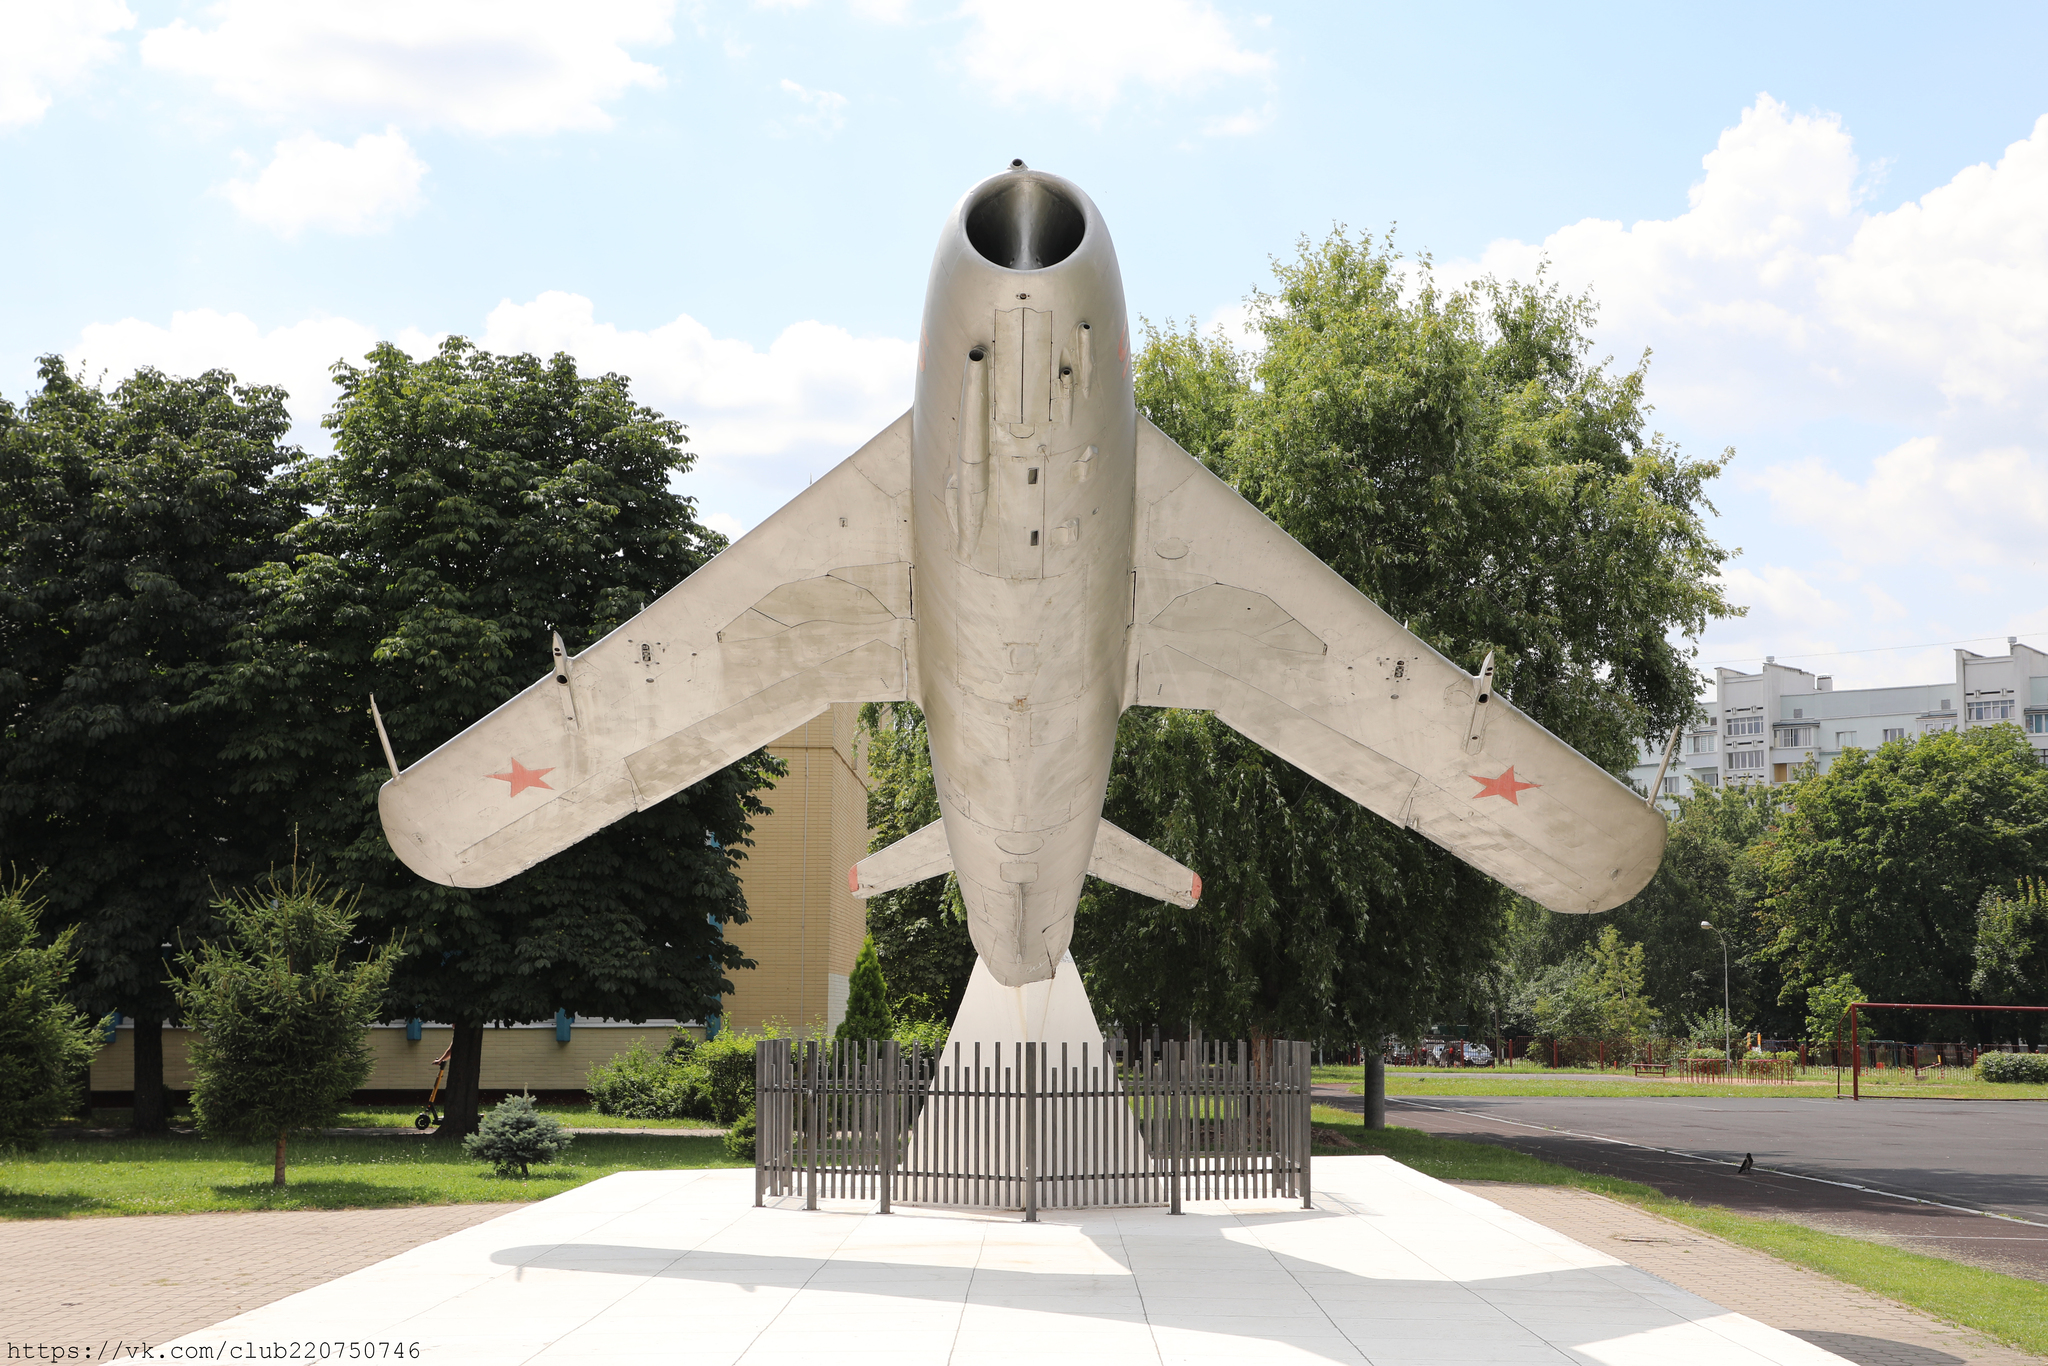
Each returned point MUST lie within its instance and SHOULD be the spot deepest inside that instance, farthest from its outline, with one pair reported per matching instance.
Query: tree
(1458, 458)
(127, 522)
(473, 504)
(45, 1041)
(2012, 945)
(867, 999)
(280, 1013)
(1710, 872)
(1877, 867)
(920, 931)
(1827, 1007)
(1625, 1011)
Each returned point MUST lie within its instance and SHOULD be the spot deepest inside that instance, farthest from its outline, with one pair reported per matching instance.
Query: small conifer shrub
(515, 1135)
(867, 999)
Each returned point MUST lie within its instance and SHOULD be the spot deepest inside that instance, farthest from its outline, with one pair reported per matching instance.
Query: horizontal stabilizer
(911, 859)
(1128, 862)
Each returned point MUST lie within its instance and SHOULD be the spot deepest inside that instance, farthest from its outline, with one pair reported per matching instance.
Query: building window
(1709, 778)
(1892, 733)
(1745, 725)
(1936, 727)
(2037, 723)
(1794, 737)
(1991, 711)
(1703, 742)
(1746, 758)
(1671, 786)
(1844, 739)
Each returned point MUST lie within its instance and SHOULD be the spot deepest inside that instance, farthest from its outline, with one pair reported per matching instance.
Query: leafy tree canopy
(1877, 866)
(920, 931)
(127, 518)
(2012, 945)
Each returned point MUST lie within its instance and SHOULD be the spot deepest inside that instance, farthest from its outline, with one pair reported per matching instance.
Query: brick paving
(1853, 1324)
(149, 1278)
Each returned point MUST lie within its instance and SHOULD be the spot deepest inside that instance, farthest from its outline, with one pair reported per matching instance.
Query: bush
(2021, 1067)
(930, 1033)
(515, 1135)
(739, 1139)
(638, 1085)
(726, 1068)
(712, 1081)
(44, 1041)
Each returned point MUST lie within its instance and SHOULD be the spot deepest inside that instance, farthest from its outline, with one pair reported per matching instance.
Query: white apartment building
(1761, 727)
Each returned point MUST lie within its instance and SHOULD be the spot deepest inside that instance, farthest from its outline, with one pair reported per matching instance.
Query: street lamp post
(1727, 1019)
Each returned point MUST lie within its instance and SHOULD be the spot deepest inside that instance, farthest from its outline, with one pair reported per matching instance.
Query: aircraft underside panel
(812, 607)
(1232, 615)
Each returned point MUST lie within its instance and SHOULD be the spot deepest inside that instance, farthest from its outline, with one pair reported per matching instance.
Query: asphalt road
(1925, 1174)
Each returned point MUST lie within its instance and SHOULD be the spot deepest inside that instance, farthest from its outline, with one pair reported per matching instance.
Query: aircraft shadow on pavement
(1579, 1307)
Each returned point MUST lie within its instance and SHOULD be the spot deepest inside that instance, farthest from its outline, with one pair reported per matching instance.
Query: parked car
(1478, 1055)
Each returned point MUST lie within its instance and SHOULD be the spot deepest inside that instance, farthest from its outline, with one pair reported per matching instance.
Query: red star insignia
(1503, 786)
(522, 777)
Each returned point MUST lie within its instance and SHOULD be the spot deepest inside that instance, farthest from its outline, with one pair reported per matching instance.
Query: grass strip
(2010, 1308)
(189, 1175)
(1817, 1084)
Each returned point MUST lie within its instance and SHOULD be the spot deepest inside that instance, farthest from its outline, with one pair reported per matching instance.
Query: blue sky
(1830, 224)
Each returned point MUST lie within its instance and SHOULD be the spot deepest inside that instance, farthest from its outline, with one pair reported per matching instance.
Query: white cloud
(1083, 53)
(726, 525)
(485, 66)
(1780, 286)
(312, 183)
(1242, 124)
(763, 418)
(824, 110)
(1236, 323)
(296, 356)
(875, 11)
(46, 45)
(1986, 507)
(762, 422)
(1782, 298)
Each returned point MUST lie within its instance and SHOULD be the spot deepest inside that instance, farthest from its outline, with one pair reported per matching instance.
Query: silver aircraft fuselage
(1023, 475)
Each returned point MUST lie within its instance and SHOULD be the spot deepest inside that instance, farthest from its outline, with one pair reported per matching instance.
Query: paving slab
(1390, 1266)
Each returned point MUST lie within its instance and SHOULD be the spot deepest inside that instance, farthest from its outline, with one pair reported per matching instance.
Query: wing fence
(1030, 1126)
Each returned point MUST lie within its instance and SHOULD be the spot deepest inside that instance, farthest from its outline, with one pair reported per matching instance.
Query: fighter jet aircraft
(1024, 556)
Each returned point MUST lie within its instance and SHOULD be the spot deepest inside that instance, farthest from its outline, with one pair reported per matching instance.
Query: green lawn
(1448, 1083)
(2009, 1308)
(186, 1175)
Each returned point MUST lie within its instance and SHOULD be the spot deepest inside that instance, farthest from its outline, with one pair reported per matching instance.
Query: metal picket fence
(1029, 1126)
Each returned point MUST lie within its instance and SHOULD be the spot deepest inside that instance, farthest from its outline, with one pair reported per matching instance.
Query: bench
(1653, 1069)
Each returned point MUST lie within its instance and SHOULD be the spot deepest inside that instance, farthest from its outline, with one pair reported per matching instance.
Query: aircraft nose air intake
(1025, 224)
